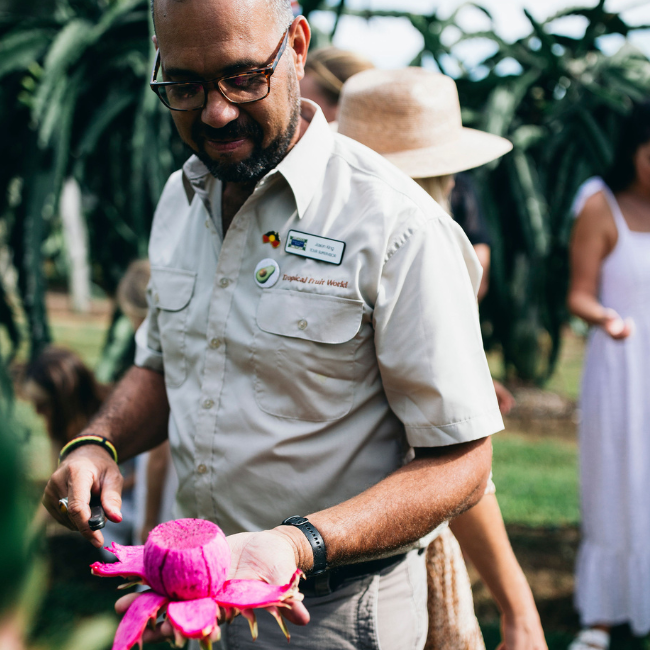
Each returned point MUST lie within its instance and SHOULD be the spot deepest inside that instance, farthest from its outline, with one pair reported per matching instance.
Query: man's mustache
(235, 130)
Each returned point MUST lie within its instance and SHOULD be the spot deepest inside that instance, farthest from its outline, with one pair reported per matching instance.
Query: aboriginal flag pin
(271, 237)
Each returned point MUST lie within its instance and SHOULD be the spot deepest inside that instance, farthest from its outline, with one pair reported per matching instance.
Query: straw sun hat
(412, 117)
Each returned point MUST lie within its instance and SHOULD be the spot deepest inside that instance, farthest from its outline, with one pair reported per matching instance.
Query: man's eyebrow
(240, 66)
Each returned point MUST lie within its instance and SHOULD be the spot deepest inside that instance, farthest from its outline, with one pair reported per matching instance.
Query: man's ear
(299, 39)
(155, 41)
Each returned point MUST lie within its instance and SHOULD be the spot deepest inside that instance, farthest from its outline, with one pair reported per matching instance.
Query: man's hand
(86, 470)
(270, 555)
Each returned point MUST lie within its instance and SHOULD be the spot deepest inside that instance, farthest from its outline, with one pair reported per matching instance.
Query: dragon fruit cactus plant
(186, 563)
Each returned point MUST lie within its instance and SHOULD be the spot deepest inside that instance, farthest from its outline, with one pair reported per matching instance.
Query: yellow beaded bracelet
(88, 440)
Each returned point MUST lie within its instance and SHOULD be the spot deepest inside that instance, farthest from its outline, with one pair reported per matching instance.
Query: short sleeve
(428, 338)
(590, 187)
(148, 352)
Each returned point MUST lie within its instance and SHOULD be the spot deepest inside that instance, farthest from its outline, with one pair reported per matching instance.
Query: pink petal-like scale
(195, 619)
(131, 627)
(130, 563)
(246, 594)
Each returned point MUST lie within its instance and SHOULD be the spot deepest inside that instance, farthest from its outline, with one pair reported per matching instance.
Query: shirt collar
(303, 167)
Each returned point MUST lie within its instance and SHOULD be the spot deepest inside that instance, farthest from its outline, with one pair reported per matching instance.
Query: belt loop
(322, 584)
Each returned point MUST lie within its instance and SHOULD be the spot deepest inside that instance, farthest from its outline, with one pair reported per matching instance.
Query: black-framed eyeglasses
(243, 88)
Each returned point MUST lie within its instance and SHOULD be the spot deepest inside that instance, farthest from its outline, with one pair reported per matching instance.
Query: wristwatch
(315, 540)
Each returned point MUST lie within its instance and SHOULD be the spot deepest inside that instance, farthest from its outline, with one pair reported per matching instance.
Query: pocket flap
(310, 316)
(172, 288)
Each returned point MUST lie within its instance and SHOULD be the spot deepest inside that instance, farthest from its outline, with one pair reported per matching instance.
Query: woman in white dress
(610, 290)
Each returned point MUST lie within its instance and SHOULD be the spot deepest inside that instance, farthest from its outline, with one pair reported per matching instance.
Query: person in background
(610, 290)
(156, 478)
(326, 70)
(413, 118)
(65, 392)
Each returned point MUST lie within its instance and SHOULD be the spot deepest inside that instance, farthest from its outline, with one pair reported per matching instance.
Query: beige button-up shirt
(291, 398)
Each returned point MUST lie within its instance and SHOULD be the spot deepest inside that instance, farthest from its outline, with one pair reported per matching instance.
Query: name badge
(315, 247)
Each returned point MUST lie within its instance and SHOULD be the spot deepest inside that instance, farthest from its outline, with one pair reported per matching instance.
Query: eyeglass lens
(239, 89)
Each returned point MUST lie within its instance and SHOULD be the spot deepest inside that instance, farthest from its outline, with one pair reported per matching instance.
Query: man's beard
(262, 159)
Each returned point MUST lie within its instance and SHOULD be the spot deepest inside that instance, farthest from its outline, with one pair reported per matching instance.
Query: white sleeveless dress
(613, 568)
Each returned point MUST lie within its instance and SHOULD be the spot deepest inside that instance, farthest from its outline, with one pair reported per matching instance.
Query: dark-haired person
(610, 290)
(65, 392)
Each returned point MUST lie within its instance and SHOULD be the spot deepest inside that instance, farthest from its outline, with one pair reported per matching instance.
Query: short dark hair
(71, 388)
(634, 133)
(281, 9)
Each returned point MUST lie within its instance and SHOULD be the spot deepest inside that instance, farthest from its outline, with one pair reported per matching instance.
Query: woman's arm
(594, 238)
(482, 536)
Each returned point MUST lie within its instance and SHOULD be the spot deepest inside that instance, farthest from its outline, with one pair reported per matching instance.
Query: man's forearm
(135, 416)
(438, 485)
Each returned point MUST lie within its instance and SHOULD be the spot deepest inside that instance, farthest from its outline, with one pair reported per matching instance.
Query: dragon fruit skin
(186, 563)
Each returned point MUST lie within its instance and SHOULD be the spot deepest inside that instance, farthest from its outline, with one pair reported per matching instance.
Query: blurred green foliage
(13, 517)
(75, 103)
(560, 100)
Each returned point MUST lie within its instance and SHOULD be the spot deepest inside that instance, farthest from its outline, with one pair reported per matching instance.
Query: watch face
(295, 520)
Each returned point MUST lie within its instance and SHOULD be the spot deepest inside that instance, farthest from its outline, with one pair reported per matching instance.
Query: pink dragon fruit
(186, 564)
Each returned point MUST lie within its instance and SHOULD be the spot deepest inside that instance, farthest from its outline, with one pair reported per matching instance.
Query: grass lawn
(536, 479)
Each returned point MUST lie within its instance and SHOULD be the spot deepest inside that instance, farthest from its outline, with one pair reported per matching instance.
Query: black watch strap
(315, 540)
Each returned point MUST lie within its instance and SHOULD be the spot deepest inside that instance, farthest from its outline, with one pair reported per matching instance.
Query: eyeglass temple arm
(156, 65)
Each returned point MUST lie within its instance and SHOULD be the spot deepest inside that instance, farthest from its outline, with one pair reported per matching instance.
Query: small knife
(97, 519)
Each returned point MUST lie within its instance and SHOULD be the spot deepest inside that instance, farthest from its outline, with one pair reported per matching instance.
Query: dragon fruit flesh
(186, 563)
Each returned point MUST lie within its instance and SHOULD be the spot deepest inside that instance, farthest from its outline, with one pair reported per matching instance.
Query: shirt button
(201, 469)
(302, 324)
(156, 298)
(215, 343)
(224, 282)
(208, 404)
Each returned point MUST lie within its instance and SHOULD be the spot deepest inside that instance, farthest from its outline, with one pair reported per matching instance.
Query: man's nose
(218, 111)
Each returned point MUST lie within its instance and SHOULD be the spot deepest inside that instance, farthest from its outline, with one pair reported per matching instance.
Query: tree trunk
(75, 236)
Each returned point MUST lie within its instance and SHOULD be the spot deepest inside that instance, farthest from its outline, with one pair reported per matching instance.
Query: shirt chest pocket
(303, 354)
(172, 293)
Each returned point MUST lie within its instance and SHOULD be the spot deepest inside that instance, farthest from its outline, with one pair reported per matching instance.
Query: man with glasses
(312, 345)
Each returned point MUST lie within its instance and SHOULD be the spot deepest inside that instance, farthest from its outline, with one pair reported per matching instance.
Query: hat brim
(473, 149)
